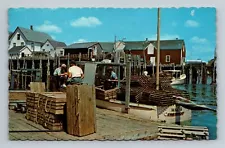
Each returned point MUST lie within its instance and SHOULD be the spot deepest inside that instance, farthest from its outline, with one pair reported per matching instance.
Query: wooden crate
(102, 94)
(37, 87)
(46, 109)
(183, 133)
(81, 107)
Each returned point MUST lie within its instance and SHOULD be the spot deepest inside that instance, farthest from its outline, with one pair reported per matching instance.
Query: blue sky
(197, 26)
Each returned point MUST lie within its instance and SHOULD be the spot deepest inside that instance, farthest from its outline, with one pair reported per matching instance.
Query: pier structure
(196, 72)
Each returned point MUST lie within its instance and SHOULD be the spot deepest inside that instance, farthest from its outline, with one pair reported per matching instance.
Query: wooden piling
(48, 74)
(214, 73)
(40, 67)
(18, 74)
(80, 110)
(201, 73)
(58, 61)
(68, 60)
(128, 78)
(79, 56)
(25, 79)
(190, 74)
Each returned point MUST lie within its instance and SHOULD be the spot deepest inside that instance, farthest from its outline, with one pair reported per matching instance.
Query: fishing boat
(178, 78)
(167, 114)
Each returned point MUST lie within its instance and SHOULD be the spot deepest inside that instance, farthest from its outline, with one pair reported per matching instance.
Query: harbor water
(203, 95)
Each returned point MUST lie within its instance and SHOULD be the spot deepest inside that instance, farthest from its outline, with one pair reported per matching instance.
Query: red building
(171, 51)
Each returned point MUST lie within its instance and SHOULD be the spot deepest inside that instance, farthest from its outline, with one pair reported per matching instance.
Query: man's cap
(63, 65)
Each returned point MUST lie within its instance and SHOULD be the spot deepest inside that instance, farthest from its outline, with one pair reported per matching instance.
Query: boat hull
(178, 82)
(166, 114)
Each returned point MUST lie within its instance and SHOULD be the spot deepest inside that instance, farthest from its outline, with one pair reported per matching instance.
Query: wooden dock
(176, 132)
(110, 126)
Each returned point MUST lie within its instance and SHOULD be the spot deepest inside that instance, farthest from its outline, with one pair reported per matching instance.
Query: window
(51, 49)
(167, 58)
(61, 52)
(22, 43)
(14, 44)
(22, 54)
(47, 44)
(43, 50)
(18, 36)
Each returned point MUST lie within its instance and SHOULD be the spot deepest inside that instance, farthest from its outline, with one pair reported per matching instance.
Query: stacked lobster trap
(46, 109)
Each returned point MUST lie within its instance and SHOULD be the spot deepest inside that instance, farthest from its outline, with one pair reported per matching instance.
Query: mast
(158, 51)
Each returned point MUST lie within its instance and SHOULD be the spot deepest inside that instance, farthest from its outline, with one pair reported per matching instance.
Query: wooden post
(40, 67)
(80, 110)
(139, 65)
(201, 73)
(79, 56)
(33, 67)
(18, 74)
(144, 60)
(190, 74)
(153, 69)
(10, 64)
(214, 73)
(23, 73)
(118, 77)
(128, 77)
(59, 61)
(158, 50)
(135, 64)
(37, 87)
(68, 60)
(25, 79)
(89, 54)
(204, 75)
(48, 74)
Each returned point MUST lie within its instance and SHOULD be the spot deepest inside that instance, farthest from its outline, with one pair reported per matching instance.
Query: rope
(46, 102)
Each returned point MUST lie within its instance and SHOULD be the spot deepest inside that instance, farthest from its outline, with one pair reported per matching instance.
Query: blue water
(203, 95)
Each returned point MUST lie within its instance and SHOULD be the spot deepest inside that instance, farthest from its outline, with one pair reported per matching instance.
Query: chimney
(176, 38)
(31, 27)
(146, 39)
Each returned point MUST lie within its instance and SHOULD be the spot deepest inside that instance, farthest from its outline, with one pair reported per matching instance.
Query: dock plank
(110, 126)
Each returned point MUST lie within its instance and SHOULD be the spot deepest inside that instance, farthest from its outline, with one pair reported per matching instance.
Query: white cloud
(196, 39)
(80, 41)
(53, 37)
(49, 27)
(191, 23)
(203, 52)
(202, 48)
(164, 37)
(86, 22)
(192, 12)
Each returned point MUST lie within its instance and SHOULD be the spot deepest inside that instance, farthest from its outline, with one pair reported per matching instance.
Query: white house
(19, 52)
(29, 38)
(54, 47)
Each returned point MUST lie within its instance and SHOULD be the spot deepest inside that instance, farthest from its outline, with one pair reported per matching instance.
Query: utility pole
(158, 51)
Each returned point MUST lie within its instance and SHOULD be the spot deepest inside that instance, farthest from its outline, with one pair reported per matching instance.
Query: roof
(34, 36)
(107, 46)
(164, 44)
(57, 43)
(81, 45)
(15, 50)
(135, 45)
(169, 44)
(10, 33)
